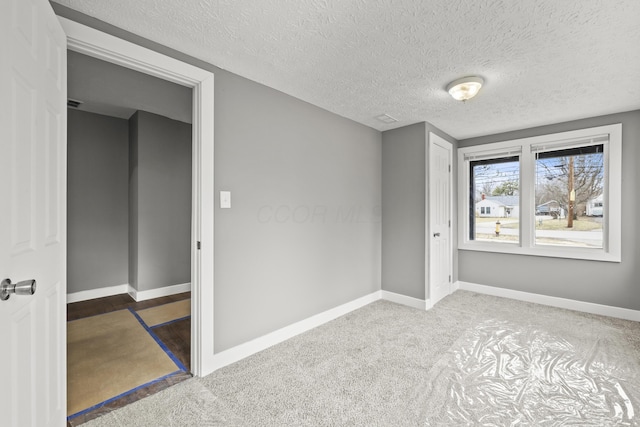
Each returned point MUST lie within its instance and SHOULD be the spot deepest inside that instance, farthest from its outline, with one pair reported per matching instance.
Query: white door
(440, 264)
(33, 213)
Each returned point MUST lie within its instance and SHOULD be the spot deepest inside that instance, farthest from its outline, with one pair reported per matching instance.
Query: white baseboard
(241, 351)
(405, 300)
(247, 349)
(97, 293)
(586, 307)
(455, 286)
(127, 289)
(158, 292)
(428, 305)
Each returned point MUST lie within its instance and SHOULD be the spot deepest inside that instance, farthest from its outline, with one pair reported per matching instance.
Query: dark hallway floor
(175, 336)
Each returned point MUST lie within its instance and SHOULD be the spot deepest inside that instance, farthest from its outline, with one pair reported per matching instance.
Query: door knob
(436, 234)
(26, 287)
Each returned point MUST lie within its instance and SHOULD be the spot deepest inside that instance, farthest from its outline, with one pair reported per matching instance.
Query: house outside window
(554, 195)
(495, 190)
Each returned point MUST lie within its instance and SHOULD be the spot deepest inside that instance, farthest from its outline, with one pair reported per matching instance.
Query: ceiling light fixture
(465, 88)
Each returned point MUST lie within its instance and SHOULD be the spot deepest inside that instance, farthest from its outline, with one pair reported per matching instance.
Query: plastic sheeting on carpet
(505, 374)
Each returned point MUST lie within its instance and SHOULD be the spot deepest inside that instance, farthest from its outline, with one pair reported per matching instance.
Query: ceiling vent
(73, 103)
(385, 118)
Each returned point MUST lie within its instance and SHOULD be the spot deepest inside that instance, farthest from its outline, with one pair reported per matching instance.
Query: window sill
(546, 251)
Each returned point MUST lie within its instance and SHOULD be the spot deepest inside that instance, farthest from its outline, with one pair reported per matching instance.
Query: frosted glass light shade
(465, 88)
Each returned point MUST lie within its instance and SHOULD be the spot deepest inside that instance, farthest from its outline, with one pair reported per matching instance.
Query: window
(494, 182)
(567, 180)
(552, 195)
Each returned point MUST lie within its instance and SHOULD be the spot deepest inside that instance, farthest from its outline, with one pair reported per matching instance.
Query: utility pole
(572, 194)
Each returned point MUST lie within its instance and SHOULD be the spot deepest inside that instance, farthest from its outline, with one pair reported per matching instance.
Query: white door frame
(431, 140)
(97, 44)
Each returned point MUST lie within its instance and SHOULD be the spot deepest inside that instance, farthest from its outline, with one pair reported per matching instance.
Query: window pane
(570, 197)
(494, 214)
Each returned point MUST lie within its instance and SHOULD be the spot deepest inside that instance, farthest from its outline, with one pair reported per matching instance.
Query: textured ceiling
(543, 61)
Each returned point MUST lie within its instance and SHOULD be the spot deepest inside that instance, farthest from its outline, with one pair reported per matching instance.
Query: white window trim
(612, 233)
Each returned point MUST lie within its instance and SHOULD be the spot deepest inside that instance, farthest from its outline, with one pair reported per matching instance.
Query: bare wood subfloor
(175, 336)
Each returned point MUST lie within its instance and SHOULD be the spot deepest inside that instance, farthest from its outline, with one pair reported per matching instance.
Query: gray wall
(276, 153)
(112, 90)
(303, 233)
(97, 202)
(132, 213)
(160, 203)
(404, 160)
(614, 284)
(403, 210)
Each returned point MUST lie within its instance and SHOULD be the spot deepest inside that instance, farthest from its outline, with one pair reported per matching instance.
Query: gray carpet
(390, 365)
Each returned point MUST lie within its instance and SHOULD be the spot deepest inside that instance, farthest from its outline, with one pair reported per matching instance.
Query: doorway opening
(99, 45)
(129, 200)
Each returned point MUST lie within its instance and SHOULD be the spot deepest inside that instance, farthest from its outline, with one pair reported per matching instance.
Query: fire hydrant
(497, 228)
